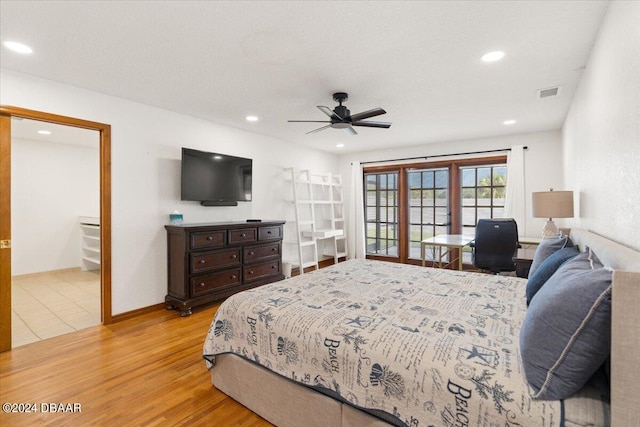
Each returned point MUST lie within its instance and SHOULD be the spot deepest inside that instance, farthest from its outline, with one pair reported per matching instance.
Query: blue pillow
(566, 333)
(546, 248)
(546, 270)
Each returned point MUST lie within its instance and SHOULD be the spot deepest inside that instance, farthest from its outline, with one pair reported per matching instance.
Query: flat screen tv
(215, 179)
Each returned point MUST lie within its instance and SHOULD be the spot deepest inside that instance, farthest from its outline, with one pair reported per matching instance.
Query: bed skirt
(281, 401)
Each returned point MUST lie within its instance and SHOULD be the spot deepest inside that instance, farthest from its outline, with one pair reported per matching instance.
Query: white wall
(52, 185)
(145, 171)
(543, 164)
(602, 131)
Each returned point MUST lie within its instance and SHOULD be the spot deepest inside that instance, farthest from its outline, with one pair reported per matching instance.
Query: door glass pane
(382, 213)
(469, 216)
(469, 196)
(482, 197)
(429, 201)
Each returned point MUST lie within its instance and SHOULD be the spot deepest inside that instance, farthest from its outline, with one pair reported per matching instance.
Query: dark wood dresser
(209, 262)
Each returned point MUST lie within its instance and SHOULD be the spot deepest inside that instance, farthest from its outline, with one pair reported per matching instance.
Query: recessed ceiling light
(251, 118)
(44, 132)
(508, 122)
(339, 145)
(493, 56)
(18, 47)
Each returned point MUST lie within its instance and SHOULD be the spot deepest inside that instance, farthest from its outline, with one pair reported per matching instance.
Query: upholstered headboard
(611, 254)
(625, 323)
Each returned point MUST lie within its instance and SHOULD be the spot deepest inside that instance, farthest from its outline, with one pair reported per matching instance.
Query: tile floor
(49, 304)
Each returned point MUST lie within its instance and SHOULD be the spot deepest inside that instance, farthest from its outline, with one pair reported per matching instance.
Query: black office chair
(495, 244)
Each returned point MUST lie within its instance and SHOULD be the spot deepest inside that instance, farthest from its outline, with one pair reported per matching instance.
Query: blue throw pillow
(546, 270)
(546, 248)
(566, 333)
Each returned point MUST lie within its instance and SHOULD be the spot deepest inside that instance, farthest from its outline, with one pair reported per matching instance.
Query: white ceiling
(61, 134)
(222, 61)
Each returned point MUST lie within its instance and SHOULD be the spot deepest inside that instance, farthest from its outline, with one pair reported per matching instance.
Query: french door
(429, 208)
(405, 204)
(402, 208)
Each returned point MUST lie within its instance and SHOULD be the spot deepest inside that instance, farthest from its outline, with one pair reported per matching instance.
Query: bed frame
(285, 403)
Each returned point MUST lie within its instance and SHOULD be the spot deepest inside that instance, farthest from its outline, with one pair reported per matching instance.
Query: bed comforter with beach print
(423, 346)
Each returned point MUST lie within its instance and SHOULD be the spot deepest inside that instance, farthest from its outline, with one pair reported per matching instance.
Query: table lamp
(552, 204)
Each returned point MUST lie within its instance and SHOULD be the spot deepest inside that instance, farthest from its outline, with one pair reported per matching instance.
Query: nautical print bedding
(426, 346)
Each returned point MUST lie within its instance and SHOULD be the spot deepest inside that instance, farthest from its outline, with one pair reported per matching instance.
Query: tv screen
(215, 178)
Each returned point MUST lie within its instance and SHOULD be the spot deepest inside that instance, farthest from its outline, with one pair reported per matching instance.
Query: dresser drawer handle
(201, 284)
(233, 276)
(273, 267)
(243, 235)
(250, 271)
(209, 238)
(269, 232)
(234, 256)
(202, 261)
(252, 253)
(274, 249)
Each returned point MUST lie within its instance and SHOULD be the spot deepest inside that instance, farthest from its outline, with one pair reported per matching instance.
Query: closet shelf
(90, 243)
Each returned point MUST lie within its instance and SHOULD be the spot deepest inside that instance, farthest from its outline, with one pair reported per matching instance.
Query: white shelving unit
(90, 245)
(319, 218)
(339, 241)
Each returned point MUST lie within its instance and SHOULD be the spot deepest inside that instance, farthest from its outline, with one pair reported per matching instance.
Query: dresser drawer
(243, 235)
(211, 239)
(215, 281)
(261, 252)
(261, 271)
(270, 233)
(205, 261)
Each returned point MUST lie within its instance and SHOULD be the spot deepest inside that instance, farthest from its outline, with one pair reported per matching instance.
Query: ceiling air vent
(549, 92)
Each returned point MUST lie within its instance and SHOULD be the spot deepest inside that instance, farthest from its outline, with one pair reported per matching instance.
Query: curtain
(514, 204)
(356, 235)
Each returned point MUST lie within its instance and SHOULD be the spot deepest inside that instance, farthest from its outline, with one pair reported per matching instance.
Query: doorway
(55, 226)
(104, 130)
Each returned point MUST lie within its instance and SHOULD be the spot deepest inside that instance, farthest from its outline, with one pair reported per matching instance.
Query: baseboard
(44, 273)
(134, 313)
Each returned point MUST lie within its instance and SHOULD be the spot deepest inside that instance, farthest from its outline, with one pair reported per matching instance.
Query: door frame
(6, 113)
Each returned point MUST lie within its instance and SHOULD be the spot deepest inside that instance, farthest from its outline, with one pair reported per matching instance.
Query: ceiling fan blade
(319, 129)
(385, 125)
(309, 121)
(350, 130)
(366, 114)
(329, 112)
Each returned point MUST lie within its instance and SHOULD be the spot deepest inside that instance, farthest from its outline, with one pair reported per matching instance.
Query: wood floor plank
(142, 371)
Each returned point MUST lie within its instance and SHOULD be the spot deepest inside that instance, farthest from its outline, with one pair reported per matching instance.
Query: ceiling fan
(341, 117)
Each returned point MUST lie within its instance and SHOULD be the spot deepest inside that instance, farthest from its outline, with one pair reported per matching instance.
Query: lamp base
(550, 230)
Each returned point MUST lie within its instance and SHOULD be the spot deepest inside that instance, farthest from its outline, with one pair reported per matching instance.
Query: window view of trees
(483, 191)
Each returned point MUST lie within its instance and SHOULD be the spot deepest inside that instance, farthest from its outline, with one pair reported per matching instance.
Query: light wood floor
(143, 371)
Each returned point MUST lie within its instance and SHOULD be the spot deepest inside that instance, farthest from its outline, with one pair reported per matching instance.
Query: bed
(369, 343)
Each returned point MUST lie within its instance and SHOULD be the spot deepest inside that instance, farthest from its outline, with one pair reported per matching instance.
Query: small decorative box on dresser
(209, 262)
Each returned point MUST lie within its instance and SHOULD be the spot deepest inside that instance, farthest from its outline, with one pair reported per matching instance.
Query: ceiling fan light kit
(341, 117)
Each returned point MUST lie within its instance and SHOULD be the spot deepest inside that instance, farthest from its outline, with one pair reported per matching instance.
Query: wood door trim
(6, 112)
(5, 232)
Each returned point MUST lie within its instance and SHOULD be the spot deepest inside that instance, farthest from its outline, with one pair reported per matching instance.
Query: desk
(530, 241)
(459, 241)
(449, 242)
